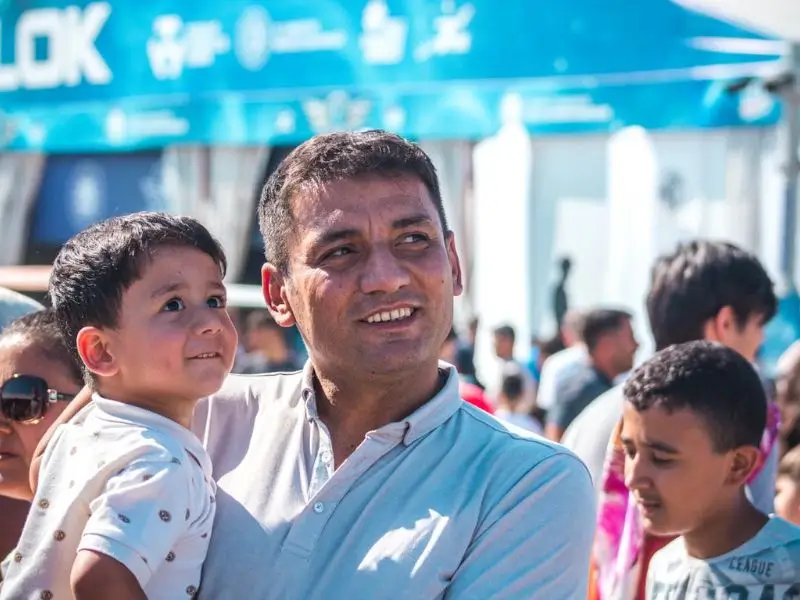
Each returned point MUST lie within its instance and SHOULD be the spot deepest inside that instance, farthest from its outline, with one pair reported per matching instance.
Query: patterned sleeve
(141, 513)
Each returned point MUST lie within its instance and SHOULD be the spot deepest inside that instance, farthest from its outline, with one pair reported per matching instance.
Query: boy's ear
(94, 350)
(744, 462)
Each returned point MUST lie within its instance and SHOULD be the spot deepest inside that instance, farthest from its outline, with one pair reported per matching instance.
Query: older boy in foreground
(693, 418)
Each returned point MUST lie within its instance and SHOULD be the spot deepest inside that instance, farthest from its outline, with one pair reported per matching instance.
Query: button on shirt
(448, 503)
(124, 482)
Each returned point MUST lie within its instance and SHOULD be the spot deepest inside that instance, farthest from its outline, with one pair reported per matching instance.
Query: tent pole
(791, 99)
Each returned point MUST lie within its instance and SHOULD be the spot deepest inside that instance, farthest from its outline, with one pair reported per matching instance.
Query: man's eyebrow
(335, 235)
(411, 221)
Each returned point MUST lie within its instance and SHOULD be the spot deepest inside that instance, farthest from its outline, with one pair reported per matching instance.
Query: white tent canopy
(776, 18)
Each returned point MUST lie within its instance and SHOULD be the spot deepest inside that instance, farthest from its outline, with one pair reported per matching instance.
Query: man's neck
(726, 531)
(604, 368)
(351, 408)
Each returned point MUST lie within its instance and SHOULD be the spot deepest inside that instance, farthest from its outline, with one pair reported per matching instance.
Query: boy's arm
(96, 576)
(83, 398)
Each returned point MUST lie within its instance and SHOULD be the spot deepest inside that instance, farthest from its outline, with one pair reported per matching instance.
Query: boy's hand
(83, 398)
(99, 577)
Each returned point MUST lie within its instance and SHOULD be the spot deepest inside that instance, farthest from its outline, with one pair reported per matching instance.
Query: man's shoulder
(263, 387)
(516, 449)
(242, 397)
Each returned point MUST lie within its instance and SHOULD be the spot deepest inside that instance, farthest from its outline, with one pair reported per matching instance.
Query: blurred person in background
(610, 344)
(12, 512)
(510, 406)
(504, 338)
(704, 290)
(268, 349)
(469, 391)
(564, 364)
(787, 499)
(787, 386)
(38, 376)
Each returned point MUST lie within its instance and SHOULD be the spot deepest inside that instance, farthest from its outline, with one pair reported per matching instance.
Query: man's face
(503, 346)
(625, 346)
(371, 276)
(745, 340)
(676, 477)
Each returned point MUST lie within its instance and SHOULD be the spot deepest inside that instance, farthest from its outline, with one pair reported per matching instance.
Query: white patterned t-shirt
(767, 567)
(124, 482)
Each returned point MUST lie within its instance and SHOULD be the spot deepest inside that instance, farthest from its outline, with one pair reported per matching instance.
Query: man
(611, 346)
(365, 475)
(562, 365)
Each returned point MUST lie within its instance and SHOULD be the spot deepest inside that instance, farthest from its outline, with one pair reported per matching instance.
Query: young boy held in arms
(125, 499)
(693, 418)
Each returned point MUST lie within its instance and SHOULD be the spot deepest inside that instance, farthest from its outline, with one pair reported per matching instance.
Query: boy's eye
(661, 461)
(173, 305)
(216, 302)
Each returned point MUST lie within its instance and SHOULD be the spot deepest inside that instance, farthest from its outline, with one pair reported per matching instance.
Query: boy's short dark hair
(599, 322)
(41, 330)
(691, 285)
(512, 385)
(712, 380)
(790, 465)
(96, 266)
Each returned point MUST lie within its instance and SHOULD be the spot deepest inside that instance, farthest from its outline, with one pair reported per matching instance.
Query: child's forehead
(678, 426)
(176, 264)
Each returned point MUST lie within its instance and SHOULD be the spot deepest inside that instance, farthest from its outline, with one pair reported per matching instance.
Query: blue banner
(77, 191)
(110, 76)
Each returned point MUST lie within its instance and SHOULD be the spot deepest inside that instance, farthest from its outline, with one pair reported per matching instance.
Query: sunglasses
(25, 398)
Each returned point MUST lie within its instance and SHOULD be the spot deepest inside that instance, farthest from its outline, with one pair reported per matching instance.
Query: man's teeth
(207, 355)
(393, 315)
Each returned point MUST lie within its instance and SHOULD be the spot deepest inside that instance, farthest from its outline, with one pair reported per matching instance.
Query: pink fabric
(620, 537)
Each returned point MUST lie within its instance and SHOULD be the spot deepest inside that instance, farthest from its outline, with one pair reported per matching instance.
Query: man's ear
(744, 462)
(273, 286)
(94, 350)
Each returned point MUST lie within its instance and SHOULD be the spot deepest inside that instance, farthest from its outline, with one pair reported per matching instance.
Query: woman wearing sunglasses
(37, 379)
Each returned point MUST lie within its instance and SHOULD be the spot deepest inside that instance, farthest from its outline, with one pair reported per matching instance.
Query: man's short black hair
(96, 266)
(335, 157)
(505, 331)
(597, 323)
(39, 329)
(712, 380)
(691, 285)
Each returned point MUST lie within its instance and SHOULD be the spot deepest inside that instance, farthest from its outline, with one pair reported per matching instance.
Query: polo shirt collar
(425, 419)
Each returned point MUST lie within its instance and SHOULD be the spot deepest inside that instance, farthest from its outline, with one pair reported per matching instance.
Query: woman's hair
(39, 329)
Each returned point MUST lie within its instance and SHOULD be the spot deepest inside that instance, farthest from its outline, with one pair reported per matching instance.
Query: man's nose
(383, 272)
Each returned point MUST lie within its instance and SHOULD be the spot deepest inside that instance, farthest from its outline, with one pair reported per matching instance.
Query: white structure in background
(502, 280)
(634, 226)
